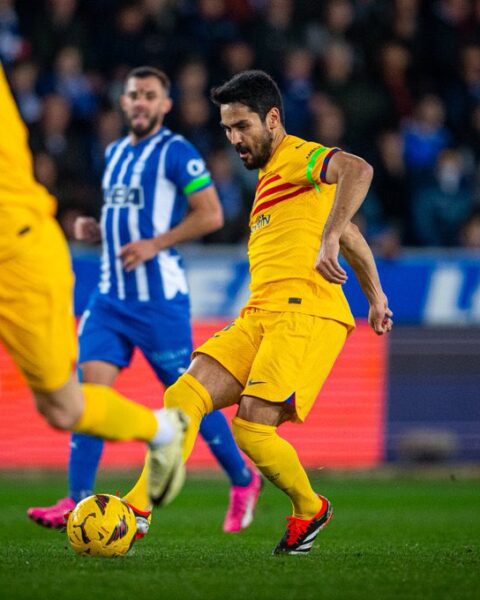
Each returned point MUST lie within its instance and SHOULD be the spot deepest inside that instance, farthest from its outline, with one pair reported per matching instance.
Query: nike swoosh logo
(253, 382)
(299, 145)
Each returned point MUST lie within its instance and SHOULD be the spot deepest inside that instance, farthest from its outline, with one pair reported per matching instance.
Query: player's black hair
(255, 89)
(144, 72)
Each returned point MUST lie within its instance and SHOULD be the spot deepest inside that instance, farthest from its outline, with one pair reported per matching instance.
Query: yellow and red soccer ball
(101, 525)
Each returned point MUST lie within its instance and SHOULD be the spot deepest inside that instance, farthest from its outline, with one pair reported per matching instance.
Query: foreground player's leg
(279, 462)
(193, 393)
(108, 414)
(194, 402)
(245, 482)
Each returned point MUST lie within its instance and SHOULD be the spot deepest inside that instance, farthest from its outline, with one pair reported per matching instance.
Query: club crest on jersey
(125, 196)
(262, 221)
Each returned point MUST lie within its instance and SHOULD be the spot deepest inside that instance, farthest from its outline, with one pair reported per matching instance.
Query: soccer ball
(101, 525)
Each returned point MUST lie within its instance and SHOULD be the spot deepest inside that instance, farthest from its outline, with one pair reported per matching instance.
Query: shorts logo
(262, 221)
(254, 382)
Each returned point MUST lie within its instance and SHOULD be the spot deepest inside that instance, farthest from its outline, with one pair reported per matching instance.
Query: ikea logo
(125, 196)
(262, 221)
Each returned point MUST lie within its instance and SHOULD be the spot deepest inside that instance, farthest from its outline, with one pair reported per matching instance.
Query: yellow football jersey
(291, 206)
(18, 187)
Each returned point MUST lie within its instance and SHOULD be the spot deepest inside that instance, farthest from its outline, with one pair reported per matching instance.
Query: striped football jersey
(145, 188)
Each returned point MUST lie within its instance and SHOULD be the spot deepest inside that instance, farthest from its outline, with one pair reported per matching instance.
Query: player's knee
(57, 415)
(251, 437)
(59, 418)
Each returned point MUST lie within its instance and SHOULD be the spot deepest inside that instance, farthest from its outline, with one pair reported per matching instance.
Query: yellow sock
(189, 395)
(138, 495)
(109, 415)
(279, 462)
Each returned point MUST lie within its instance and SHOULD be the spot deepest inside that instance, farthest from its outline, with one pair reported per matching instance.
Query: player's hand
(87, 229)
(327, 262)
(136, 253)
(380, 316)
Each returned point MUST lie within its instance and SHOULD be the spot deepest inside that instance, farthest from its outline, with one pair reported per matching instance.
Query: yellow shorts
(36, 316)
(279, 356)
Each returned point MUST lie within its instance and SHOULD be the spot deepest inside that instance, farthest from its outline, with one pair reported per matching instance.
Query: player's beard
(141, 131)
(260, 154)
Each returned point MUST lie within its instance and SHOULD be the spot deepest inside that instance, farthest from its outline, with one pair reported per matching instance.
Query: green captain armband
(197, 184)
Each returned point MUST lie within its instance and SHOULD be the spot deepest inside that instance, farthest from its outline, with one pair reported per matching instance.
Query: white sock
(165, 430)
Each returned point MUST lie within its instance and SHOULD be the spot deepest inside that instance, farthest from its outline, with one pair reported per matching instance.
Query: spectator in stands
(297, 88)
(236, 55)
(207, 27)
(470, 231)
(193, 119)
(229, 189)
(440, 207)
(334, 23)
(329, 126)
(69, 80)
(24, 76)
(60, 24)
(12, 44)
(463, 95)
(446, 29)
(108, 127)
(55, 135)
(395, 61)
(274, 33)
(192, 79)
(425, 136)
(361, 100)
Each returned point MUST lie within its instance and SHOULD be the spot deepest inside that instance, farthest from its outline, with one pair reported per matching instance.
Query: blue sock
(85, 453)
(217, 434)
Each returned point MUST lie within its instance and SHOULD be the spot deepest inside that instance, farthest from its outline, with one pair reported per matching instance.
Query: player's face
(144, 103)
(248, 133)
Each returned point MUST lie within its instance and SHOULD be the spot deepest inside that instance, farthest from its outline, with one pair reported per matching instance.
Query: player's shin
(279, 463)
(188, 394)
(109, 415)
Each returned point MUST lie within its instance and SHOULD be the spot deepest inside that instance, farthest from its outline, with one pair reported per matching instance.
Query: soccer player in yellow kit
(274, 358)
(36, 318)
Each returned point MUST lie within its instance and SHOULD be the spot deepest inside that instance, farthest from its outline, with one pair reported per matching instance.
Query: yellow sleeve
(311, 161)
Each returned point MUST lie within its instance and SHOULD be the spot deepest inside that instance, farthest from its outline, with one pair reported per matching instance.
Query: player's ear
(167, 105)
(123, 99)
(273, 118)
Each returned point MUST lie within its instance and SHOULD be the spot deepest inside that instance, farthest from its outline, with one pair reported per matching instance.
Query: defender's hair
(255, 89)
(144, 72)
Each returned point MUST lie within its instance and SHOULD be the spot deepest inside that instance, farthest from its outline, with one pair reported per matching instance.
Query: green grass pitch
(390, 538)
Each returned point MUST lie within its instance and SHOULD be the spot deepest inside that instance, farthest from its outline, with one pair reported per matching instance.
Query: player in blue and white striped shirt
(157, 193)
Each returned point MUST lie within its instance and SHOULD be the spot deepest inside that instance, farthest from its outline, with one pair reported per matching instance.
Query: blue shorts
(110, 329)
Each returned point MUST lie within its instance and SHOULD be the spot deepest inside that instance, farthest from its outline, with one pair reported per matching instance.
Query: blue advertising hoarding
(432, 289)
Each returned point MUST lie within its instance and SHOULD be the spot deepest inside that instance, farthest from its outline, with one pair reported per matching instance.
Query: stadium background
(397, 82)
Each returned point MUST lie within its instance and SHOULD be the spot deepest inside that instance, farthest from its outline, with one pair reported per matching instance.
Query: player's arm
(87, 229)
(357, 253)
(204, 216)
(353, 176)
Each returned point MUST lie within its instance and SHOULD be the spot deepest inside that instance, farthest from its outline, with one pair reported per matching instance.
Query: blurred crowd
(395, 81)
